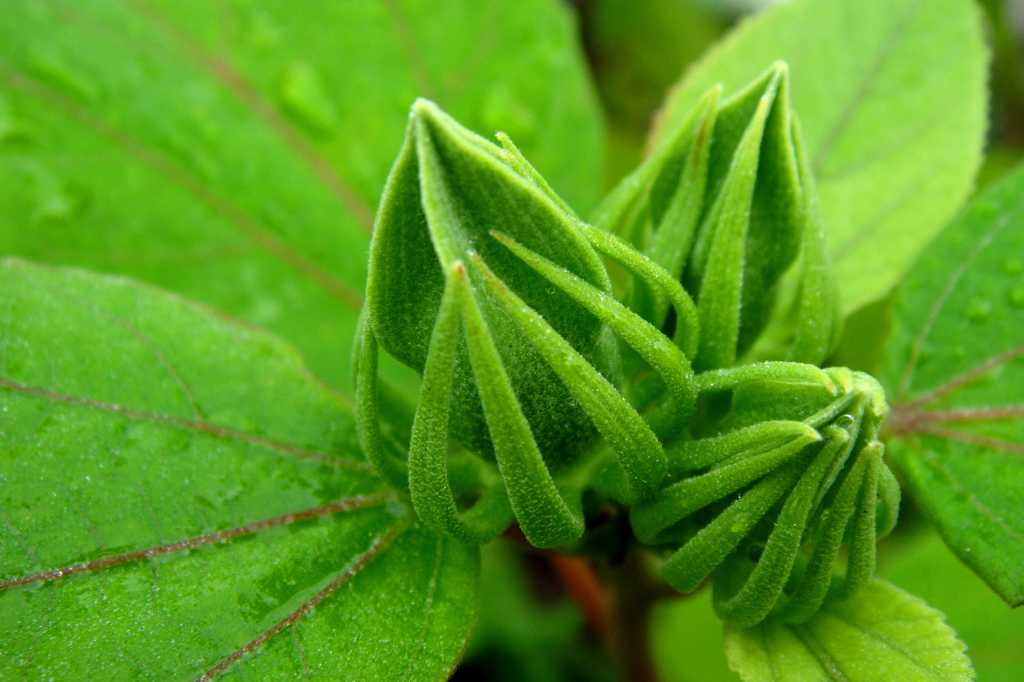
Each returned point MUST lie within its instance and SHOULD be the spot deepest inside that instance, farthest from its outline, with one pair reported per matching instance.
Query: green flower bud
(727, 204)
(482, 280)
(448, 190)
(796, 459)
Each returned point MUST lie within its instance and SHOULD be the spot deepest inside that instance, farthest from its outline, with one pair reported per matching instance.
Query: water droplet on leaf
(305, 99)
(261, 33)
(502, 110)
(978, 310)
(55, 70)
(1016, 296)
(57, 201)
(846, 421)
(1013, 266)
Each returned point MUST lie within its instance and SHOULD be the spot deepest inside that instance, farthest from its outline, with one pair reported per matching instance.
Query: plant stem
(634, 593)
(581, 582)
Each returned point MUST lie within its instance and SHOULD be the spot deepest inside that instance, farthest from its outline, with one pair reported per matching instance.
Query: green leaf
(891, 97)
(134, 420)
(992, 631)
(955, 364)
(686, 639)
(879, 635)
(234, 152)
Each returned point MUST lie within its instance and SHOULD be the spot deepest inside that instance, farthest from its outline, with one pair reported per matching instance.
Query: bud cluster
(727, 204)
(543, 382)
(795, 460)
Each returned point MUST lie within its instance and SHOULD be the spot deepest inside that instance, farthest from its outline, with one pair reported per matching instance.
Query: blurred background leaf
(687, 639)
(637, 49)
(994, 633)
(892, 165)
(527, 628)
(234, 151)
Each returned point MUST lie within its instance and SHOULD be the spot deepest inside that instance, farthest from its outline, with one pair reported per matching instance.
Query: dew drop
(846, 421)
(7, 124)
(262, 33)
(265, 310)
(985, 209)
(396, 508)
(56, 70)
(978, 310)
(1016, 296)
(57, 201)
(305, 99)
(503, 110)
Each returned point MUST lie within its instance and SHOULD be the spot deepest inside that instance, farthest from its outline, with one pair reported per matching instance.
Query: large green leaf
(891, 96)
(234, 151)
(993, 632)
(880, 634)
(955, 366)
(132, 420)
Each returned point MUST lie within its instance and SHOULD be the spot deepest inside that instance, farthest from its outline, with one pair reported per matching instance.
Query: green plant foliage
(954, 363)
(725, 204)
(892, 165)
(880, 635)
(804, 453)
(234, 152)
(454, 245)
(133, 420)
(634, 406)
(637, 49)
(455, 294)
(683, 631)
(993, 632)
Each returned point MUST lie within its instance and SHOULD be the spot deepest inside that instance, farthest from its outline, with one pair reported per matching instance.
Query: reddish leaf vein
(378, 545)
(964, 378)
(348, 504)
(204, 427)
(973, 439)
(249, 227)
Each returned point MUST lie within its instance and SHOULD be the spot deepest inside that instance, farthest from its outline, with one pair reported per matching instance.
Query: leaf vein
(829, 665)
(379, 544)
(932, 461)
(882, 639)
(348, 504)
(257, 233)
(940, 302)
(867, 80)
(230, 78)
(203, 427)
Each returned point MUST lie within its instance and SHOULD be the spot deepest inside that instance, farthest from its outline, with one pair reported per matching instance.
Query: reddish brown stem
(961, 379)
(635, 592)
(579, 579)
(967, 414)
